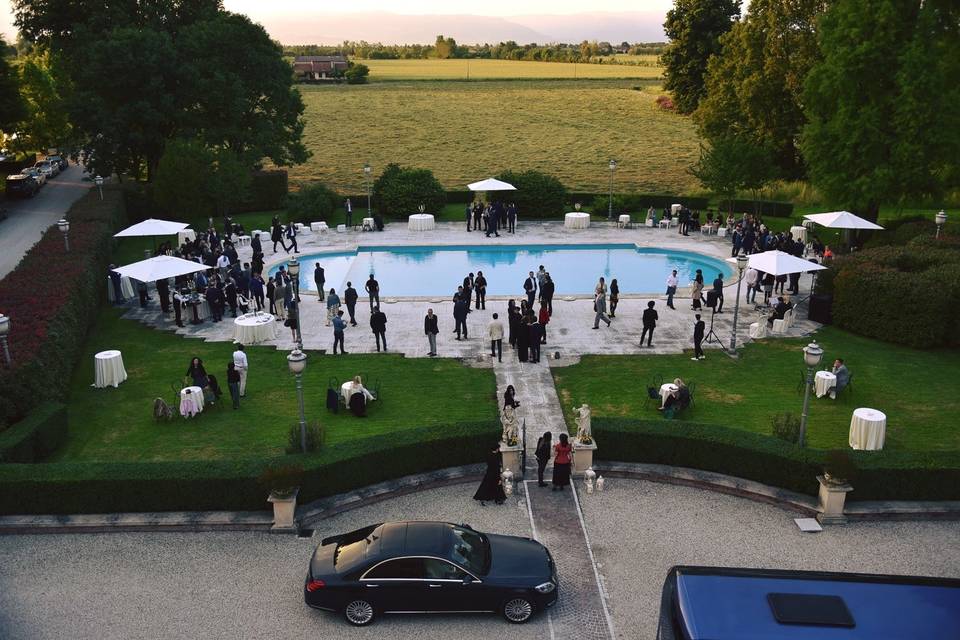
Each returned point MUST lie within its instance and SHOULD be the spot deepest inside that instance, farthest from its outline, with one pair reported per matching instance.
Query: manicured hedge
(52, 298)
(92, 487)
(639, 202)
(769, 208)
(880, 475)
(538, 194)
(268, 191)
(36, 436)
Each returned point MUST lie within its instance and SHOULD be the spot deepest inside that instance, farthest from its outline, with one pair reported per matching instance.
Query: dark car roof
(393, 539)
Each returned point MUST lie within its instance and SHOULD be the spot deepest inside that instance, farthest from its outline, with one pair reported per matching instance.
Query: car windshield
(470, 549)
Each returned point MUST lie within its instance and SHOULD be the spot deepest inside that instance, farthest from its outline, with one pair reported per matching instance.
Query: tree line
(860, 97)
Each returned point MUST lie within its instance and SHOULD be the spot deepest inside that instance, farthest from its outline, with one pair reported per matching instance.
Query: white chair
(664, 224)
(341, 228)
(244, 241)
(780, 326)
(758, 330)
(650, 222)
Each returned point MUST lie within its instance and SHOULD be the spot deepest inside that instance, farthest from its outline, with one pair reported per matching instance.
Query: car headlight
(546, 587)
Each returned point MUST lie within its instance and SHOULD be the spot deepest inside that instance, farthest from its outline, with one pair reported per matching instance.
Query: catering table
(799, 233)
(319, 227)
(185, 236)
(126, 287)
(108, 369)
(199, 305)
(251, 328)
(368, 224)
(722, 232)
(191, 401)
(758, 330)
(665, 390)
(576, 220)
(421, 222)
(623, 220)
(244, 241)
(823, 382)
(868, 428)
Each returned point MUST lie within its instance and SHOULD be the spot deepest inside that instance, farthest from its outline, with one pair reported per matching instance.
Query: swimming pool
(426, 271)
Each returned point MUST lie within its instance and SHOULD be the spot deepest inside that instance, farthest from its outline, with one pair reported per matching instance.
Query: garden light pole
(4, 330)
(297, 361)
(293, 268)
(742, 261)
(99, 182)
(812, 353)
(941, 219)
(64, 227)
(367, 170)
(613, 167)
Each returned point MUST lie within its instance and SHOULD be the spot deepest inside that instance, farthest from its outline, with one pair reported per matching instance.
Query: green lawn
(916, 389)
(117, 424)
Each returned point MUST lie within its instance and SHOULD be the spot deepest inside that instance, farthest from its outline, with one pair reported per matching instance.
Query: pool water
(425, 271)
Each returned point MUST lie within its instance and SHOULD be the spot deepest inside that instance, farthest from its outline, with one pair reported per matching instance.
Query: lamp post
(812, 353)
(64, 227)
(297, 361)
(4, 330)
(742, 261)
(941, 219)
(293, 268)
(613, 167)
(99, 182)
(367, 170)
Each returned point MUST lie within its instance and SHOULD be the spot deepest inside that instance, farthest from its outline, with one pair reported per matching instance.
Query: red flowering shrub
(665, 103)
(51, 299)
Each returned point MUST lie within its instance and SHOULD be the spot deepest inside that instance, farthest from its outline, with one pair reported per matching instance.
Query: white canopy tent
(779, 263)
(491, 184)
(841, 220)
(159, 267)
(152, 227)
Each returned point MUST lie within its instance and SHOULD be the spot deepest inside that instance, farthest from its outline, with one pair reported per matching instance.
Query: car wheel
(517, 610)
(359, 612)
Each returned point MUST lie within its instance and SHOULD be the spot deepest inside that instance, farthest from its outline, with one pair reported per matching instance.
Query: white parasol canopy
(841, 220)
(779, 263)
(152, 227)
(159, 268)
(491, 184)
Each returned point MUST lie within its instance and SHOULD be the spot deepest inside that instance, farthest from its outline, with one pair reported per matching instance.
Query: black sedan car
(430, 567)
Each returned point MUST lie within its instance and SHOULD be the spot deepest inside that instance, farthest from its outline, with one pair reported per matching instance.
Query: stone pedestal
(832, 498)
(583, 456)
(284, 509)
(511, 459)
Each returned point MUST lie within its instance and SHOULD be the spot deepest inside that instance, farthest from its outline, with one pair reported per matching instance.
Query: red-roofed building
(319, 68)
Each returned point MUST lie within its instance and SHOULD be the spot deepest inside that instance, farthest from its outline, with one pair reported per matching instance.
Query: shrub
(538, 195)
(36, 436)
(839, 466)
(786, 426)
(268, 191)
(316, 438)
(312, 203)
(665, 103)
(399, 191)
(357, 73)
(281, 481)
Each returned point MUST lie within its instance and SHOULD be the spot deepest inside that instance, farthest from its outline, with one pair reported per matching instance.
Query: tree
(12, 107)
(357, 73)
(313, 202)
(694, 28)
(732, 164)
(445, 47)
(754, 86)
(182, 176)
(538, 195)
(46, 123)
(869, 138)
(401, 190)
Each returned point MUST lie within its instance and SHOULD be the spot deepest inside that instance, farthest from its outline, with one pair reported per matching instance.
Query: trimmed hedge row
(880, 475)
(95, 487)
(36, 436)
(769, 208)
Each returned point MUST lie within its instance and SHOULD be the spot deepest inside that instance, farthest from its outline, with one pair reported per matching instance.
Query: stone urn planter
(583, 455)
(511, 458)
(284, 510)
(833, 495)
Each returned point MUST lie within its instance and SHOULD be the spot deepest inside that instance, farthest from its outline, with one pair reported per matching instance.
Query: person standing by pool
(378, 322)
(480, 286)
(348, 208)
(546, 293)
(495, 333)
(431, 330)
(614, 297)
(319, 279)
(460, 310)
(600, 309)
(718, 289)
(333, 306)
(530, 288)
(650, 318)
(350, 299)
(512, 217)
(373, 291)
(469, 214)
(339, 324)
(672, 282)
(493, 221)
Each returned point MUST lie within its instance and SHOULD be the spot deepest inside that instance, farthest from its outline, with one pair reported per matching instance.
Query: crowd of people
(491, 217)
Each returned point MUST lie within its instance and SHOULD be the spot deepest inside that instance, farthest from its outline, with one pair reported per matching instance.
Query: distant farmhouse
(319, 68)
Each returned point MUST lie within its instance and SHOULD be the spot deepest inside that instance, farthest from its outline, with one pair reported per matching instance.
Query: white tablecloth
(252, 328)
(624, 220)
(319, 227)
(108, 369)
(576, 220)
(665, 390)
(203, 309)
(191, 401)
(185, 235)
(126, 286)
(758, 330)
(868, 428)
(675, 209)
(421, 222)
(722, 232)
(799, 233)
(368, 224)
(823, 382)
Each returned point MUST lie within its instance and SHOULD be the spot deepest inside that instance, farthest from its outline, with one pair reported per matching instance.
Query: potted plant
(283, 483)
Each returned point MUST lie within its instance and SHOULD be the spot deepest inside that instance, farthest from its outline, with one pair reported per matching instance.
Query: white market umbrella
(159, 268)
(841, 220)
(491, 184)
(152, 227)
(779, 263)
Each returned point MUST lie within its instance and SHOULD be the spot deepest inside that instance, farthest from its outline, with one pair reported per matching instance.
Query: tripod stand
(711, 336)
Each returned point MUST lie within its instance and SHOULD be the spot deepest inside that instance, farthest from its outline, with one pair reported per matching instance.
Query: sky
(263, 11)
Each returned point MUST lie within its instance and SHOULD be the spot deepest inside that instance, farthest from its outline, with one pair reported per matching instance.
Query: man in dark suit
(546, 293)
(230, 293)
(718, 288)
(378, 322)
(373, 291)
(215, 300)
(460, 309)
(350, 299)
(536, 333)
(530, 287)
(163, 289)
(320, 280)
(650, 318)
(493, 221)
(480, 286)
(698, 328)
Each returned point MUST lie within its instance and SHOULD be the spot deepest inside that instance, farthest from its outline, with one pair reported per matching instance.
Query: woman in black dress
(523, 339)
(512, 322)
(491, 487)
(614, 297)
(197, 374)
(544, 445)
(509, 397)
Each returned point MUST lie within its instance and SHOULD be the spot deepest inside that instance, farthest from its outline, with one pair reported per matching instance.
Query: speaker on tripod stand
(711, 336)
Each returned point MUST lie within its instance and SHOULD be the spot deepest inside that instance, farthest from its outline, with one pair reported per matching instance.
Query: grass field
(916, 389)
(381, 70)
(469, 131)
(117, 424)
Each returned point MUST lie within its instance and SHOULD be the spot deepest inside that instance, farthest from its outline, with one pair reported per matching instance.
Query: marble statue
(583, 423)
(510, 428)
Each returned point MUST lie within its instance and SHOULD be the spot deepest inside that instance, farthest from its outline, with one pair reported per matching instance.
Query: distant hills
(390, 28)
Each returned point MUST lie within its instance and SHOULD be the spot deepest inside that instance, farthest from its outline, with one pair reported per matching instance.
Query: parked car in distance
(51, 169)
(36, 174)
(21, 186)
(60, 161)
(429, 567)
